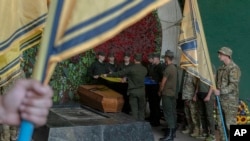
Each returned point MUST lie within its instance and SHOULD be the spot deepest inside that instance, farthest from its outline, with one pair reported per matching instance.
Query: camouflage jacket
(227, 79)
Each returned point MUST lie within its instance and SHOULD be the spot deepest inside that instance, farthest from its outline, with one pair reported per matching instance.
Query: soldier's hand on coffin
(124, 80)
(96, 76)
(28, 100)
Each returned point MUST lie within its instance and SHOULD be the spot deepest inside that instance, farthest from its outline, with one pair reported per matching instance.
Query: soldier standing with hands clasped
(227, 82)
(168, 93)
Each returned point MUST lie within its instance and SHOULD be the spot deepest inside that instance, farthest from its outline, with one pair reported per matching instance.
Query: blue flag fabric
(79, 25)
(195, 57)
(22, 23)
(74, 26)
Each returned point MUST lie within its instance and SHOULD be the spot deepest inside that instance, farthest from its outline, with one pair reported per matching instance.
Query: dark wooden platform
(100, 97)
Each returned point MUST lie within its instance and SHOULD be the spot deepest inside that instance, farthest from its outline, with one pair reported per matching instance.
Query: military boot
(169, 135)
(210, 138)
(174, 133)
(187, 130)
(196, 133)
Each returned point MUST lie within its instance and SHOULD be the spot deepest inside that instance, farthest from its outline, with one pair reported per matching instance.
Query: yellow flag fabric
(21, 25)
(195, 57)
(113, 79)
(79, 25)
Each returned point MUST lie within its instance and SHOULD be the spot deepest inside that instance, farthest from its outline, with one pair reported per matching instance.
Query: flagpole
(26, 127)
(210, 68)
(221, 117)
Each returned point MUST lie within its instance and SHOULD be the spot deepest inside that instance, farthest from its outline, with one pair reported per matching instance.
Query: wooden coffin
(100, 97)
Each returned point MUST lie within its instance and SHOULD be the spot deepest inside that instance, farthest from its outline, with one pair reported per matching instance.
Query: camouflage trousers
(191, 113)
(9, 133)
(229, 110)
(206, 113)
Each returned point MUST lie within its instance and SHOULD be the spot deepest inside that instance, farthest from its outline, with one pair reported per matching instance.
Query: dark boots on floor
(174, 132)
(169, 135)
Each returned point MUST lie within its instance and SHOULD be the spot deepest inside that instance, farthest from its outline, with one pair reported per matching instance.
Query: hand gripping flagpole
(221, 117)
(26, 127)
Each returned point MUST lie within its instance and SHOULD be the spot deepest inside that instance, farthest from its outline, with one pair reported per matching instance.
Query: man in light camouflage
(9, 133)
(190, 107)
(205, 101)
(227, 82)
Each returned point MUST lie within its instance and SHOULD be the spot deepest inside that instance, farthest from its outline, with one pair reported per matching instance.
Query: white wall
(170, 17)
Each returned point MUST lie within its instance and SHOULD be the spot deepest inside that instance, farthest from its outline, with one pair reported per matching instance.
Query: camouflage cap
(226, 51)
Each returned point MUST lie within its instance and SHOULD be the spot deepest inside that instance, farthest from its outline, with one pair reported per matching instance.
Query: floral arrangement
(243, 116)
(142, 37)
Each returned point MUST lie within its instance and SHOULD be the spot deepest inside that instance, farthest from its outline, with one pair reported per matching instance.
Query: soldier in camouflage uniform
(205, 101)
(9, 133)
(227, 82)
(190, 107)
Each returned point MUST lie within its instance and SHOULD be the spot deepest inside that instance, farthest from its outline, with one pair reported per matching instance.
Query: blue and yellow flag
(195, 57)
(74, 26)
(113, 79)
(78, 25)
(21, 25)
